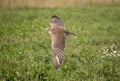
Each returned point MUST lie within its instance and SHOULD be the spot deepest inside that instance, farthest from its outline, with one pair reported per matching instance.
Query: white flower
(114, 52)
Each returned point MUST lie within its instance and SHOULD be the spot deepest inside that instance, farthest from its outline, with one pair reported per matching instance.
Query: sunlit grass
(53, 3)
(25, 47)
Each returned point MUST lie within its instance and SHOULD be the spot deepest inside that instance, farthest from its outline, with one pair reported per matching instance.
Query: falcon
(58, 34)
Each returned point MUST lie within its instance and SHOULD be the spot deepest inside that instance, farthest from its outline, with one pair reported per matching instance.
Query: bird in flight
(58, 34)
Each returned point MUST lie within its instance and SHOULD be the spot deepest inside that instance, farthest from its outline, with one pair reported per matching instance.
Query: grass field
(25, 47)
(52, 3)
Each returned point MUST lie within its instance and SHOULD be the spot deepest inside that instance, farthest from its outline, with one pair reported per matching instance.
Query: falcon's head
(56, 22)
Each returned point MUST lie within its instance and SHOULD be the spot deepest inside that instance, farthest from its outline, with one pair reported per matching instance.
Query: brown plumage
(58, 34)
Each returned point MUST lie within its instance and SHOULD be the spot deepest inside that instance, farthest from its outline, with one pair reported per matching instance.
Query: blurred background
(52, 3)
(25, 47)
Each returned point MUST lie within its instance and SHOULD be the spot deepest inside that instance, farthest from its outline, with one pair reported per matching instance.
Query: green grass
(25, 47)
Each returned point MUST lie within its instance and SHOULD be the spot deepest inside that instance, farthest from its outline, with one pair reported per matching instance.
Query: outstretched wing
(56, 22)
(70, 34)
